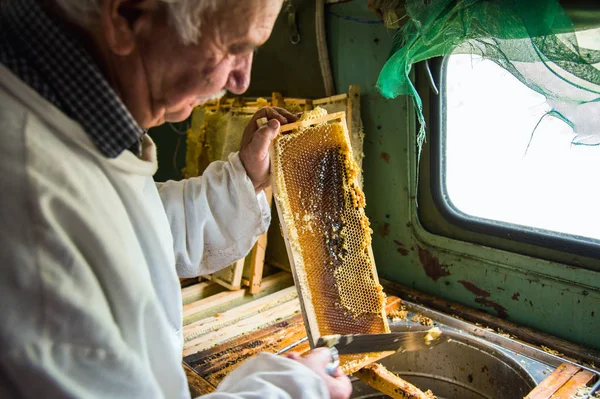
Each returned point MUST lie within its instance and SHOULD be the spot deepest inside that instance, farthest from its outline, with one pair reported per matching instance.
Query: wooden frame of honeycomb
(327, 234)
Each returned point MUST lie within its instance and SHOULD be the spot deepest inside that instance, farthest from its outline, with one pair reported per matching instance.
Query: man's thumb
(259, 145)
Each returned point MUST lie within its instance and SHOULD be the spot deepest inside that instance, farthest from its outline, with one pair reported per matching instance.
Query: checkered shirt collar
(57, 66)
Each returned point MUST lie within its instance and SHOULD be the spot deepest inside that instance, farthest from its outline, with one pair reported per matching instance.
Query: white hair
(184, 15)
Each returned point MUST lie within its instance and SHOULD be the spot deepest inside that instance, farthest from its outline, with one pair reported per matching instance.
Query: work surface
(229, 327)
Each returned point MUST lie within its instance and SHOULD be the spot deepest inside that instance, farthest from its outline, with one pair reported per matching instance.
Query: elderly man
(91, 246)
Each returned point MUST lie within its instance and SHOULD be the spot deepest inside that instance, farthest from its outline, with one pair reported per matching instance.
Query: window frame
(487, 228)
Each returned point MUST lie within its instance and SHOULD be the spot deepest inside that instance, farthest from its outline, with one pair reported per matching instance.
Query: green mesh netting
(532, 39)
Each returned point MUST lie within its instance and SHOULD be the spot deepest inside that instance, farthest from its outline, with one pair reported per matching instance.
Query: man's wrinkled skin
(159, 80)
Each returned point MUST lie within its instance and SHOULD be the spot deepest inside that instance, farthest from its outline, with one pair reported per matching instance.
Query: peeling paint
(401, 248)
(515, 296)
(385, 156)
(501, 310)
(474, 289)
(482, 298)
(432, 266)
(385, 229)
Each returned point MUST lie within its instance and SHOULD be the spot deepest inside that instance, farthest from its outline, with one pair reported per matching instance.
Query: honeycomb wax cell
(328, 233)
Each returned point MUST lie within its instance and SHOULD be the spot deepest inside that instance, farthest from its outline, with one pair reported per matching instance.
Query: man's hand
(254, 150)
(338, 385)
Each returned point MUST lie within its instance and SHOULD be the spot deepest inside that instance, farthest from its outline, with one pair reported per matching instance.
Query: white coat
(90, 251)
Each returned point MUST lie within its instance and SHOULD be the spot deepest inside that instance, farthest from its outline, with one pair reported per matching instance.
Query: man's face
(163, 80)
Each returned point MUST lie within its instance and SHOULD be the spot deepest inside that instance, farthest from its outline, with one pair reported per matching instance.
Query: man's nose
(239, 77)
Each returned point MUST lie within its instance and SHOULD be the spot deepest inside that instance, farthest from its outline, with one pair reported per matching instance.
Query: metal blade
(395, 341)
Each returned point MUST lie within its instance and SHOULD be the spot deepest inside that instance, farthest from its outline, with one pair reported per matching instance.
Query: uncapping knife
(404, 341)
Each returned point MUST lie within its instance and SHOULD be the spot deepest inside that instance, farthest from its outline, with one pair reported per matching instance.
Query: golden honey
(329, 236)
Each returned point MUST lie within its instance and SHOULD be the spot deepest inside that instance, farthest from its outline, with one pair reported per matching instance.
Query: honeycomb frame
(360, 305)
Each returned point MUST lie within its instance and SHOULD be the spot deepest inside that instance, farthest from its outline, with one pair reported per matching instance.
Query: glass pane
(498, 165)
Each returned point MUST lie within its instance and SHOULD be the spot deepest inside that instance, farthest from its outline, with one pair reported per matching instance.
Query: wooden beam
(580, 380)
(553, 382)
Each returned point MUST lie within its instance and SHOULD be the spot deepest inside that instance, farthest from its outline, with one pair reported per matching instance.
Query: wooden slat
(271, 343)
(380, 378)
(215, 363)
(298, 101)
(226, 300)
(198, 386)
(311, 122)
(235, 283)
(355, 127)
(579, 380)
(332, 99)
(277, 100)
(257, 256)
(198, 291)
(234, 315)
(553, 382)
(186, 282)
(244, 326)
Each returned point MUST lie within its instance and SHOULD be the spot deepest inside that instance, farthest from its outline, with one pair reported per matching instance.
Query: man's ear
(122, 20)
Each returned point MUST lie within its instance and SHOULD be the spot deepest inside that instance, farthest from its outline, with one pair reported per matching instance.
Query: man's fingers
(287, 114)
(321, 355)
(258, 146)
(268, 113)
(273, 114)
(293, 356)
(338, 373)
(281, 114)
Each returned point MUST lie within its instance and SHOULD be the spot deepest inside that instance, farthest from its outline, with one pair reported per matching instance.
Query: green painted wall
(558, 299)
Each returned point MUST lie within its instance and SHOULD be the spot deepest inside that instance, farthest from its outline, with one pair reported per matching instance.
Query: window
(503, 164)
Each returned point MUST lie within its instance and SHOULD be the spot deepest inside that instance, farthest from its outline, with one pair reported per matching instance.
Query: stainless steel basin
(463, 367)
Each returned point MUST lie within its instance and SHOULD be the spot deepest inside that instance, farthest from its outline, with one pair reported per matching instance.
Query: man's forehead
(248, 20)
